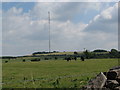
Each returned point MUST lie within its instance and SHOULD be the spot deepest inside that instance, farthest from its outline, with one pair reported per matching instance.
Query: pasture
(52, 73)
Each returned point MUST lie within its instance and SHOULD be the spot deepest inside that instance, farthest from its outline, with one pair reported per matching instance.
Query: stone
(118, 79)
(118, 71)
(105, 73)
(106, 81)
(112, 75)
(117, 88)
(97, 82)
(112, 84)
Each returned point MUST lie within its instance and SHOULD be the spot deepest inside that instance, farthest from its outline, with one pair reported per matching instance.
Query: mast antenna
(49, 31)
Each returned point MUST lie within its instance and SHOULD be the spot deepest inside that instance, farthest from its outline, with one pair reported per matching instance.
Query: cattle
(6, 61)
(82, 58)
(68, 59)
(34, 60)
(23, 60)
(46, 58)
(56, 58)
(75, 58)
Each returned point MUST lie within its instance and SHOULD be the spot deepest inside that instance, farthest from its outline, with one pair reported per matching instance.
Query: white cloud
(24, 33)
(59, 0)
(63, 11)
(103, 29)
(106, 21)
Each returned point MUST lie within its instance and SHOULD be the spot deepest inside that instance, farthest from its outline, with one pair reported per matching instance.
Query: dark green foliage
(40, 53)
(44, 52)
(8, 57)
(55, 51)
(59, 56)
(75, 53)
(98, 50)
(114, 53)
(87, 54)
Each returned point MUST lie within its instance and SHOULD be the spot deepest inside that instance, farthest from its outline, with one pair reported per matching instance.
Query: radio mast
(49, 30)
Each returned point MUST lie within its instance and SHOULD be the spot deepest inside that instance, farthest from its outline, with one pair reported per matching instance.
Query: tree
(98, 50)
(87, 54)
(75, 53)
(114, 53)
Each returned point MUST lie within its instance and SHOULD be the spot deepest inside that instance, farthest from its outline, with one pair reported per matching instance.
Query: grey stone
(117, 88)
(97, 82)
(112, 84)
(106, 81)
(112, 75)
(118, 79)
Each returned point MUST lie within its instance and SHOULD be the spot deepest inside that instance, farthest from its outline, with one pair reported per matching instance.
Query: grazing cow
(75, 58)
(6, 61)
(46, 58)
(34, 60)
(56, 58)
(82, 58)
(68, 59)
(23, 60)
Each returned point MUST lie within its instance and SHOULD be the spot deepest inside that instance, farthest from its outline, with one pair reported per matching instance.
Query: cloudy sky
(74, 26)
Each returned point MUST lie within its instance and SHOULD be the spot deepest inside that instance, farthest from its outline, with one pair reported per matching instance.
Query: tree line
(113, 53)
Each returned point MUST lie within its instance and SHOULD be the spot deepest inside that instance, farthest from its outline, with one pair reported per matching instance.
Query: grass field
(53, 73)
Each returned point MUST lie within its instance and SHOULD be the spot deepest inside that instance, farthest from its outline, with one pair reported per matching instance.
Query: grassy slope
(53, 73)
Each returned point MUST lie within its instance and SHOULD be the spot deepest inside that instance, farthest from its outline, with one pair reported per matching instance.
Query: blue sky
(25, 5)
(74, 26)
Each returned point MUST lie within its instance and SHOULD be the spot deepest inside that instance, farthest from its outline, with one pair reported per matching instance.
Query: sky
(74, 26)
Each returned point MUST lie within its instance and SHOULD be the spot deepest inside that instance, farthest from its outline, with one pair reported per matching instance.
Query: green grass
(53, 73)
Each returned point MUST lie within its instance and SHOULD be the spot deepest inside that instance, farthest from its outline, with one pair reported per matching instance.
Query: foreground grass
(53, 73)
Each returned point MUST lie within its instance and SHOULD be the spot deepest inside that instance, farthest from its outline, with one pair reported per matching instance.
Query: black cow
(75, 58)
(6, 61)
(23, 60)
(82, 58)
(68, 59)
(34, 60)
